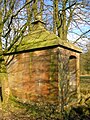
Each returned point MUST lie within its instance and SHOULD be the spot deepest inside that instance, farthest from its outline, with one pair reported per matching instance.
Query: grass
(85, 84)
(85, 77)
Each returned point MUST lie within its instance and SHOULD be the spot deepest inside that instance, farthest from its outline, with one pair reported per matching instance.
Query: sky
(83, 27)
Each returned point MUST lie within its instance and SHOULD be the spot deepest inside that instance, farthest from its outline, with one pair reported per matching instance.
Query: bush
(79, 113)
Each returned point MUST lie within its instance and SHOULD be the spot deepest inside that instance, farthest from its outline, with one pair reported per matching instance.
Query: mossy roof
(39, 37)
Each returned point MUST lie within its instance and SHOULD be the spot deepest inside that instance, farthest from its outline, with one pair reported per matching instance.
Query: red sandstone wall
(34, 75)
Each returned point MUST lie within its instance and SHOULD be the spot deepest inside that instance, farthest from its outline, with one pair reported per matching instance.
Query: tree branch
(82, 35)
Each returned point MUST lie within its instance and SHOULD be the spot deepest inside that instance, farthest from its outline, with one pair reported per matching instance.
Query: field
(85, 84)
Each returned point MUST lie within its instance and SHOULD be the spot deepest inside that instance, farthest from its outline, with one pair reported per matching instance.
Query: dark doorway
(72, 72)
(1, 97)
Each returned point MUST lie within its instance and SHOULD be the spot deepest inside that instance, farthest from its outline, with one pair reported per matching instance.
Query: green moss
(39, 39)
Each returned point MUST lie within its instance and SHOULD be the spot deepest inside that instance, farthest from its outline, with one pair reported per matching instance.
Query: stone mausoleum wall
(35, 76)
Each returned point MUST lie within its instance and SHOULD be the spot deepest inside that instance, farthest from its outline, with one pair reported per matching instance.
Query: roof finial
(38, 23)
(39, 18)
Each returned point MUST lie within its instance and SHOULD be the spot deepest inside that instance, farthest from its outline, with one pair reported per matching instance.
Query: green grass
(85, 84)
(85, 77)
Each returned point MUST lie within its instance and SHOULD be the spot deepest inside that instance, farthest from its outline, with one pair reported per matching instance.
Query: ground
(80, 112)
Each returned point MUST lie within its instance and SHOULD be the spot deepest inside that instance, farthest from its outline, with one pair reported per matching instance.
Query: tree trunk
(62, 27)
(29, 15)
(1, 27)
(41, 8)
(34, 8)
(3, 73)
(55, 16)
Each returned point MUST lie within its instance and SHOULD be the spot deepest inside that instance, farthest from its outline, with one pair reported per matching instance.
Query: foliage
(85, 61)
(85, 85)
(32, 111)
(79, 113)
(16, 110)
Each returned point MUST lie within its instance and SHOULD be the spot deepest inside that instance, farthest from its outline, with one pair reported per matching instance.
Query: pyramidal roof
(39, 38)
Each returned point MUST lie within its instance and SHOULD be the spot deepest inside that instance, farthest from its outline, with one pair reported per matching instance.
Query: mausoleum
(44, 67)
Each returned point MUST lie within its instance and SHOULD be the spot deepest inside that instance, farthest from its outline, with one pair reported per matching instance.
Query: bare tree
(72, 18)
(66, 17)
